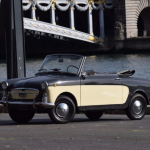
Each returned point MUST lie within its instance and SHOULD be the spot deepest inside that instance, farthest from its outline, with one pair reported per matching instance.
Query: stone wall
(120, 19)
(137, 44)
(126, 13)
(133, 10)
(119, 24)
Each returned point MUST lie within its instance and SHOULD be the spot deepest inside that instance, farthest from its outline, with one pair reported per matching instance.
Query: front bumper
(46, 105)
(7, 102)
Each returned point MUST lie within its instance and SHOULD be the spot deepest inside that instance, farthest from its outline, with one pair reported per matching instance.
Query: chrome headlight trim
(4, 85)
(44, 85)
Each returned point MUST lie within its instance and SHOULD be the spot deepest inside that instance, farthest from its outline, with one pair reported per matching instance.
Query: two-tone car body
(62, 88)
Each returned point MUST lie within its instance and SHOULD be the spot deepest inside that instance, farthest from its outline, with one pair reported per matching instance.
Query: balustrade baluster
(71, 18)
(33, 13)
(90, 20)
(101, 19)
(53, 14)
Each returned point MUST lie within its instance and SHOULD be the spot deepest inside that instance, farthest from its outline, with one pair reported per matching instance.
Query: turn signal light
(41, 104)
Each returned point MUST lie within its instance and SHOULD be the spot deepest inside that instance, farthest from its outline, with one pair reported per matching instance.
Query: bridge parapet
(59, 30)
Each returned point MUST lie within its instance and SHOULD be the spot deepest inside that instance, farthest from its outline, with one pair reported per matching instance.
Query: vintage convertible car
(63, 87)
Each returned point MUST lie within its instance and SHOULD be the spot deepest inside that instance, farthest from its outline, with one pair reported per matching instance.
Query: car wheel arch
(70, 95)
(143, 94)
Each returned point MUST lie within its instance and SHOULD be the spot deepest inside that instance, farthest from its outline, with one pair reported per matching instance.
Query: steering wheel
(72, 66)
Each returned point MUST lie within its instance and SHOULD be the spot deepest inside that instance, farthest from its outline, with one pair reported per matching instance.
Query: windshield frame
(80, 66)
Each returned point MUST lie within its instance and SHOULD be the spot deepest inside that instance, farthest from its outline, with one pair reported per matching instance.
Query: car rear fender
(142, 92)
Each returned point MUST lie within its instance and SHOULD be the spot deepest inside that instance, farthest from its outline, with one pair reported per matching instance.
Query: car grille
(24, 94)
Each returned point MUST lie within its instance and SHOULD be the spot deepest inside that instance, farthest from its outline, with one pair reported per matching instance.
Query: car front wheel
(21, 116)
(137, 107)
(94, 115)
(64, 110)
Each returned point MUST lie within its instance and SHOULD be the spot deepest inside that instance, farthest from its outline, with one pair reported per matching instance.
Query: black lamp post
(11, 22)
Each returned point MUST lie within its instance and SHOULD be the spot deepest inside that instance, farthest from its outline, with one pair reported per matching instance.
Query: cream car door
(101, 90)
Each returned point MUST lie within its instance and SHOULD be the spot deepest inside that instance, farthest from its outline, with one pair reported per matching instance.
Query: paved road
(111, 132)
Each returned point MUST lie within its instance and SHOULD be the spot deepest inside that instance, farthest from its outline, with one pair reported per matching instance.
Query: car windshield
(61, 63)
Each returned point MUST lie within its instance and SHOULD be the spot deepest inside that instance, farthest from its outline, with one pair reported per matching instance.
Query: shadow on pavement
(49, 122)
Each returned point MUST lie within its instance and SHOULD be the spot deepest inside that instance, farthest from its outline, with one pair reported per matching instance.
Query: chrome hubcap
(137, 107)
(62, 110)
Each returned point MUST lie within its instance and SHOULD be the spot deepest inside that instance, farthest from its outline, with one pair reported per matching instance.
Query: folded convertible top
(126, 73)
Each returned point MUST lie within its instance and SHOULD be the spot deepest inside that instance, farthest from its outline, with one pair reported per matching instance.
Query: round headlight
(4, 85)
(44, 85)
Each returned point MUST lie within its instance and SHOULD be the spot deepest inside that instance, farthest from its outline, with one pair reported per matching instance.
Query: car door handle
(117, 79)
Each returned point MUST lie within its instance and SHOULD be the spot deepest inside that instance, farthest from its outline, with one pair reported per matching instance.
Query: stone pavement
(111, 132)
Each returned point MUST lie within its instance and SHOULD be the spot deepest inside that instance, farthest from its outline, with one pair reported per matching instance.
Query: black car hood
(35, 82)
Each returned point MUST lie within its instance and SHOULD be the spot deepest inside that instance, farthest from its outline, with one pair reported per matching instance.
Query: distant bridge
(64, 5)
(59, 30)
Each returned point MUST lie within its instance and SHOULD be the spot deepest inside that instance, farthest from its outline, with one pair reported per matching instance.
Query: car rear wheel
(21, 116)
(94, 115)
(64, 110)
(137, 107)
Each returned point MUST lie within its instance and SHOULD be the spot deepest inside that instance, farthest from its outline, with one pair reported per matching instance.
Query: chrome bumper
(6, 102)
(46, 105)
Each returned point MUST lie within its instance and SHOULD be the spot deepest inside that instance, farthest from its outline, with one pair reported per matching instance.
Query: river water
(107, 63)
